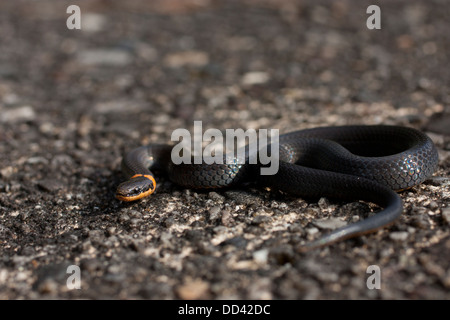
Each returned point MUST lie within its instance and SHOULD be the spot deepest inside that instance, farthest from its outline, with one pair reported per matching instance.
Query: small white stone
(330, 224)
(251, 78)
(20, 114)
(398, 235)
(260, 256)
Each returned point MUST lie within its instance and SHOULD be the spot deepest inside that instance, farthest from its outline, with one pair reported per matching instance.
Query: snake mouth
(138, 187)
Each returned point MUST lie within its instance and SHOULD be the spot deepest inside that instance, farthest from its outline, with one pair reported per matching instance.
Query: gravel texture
(73, 101)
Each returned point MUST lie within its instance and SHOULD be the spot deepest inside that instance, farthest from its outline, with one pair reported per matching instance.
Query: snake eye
(135, 188)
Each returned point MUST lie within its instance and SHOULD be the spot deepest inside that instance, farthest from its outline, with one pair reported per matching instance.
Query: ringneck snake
(368, 163)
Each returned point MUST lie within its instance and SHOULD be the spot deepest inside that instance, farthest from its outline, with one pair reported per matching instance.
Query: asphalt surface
(73, 101)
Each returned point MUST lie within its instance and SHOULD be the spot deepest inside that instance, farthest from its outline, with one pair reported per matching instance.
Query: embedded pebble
(260, 256)
(312, 231)
(216, 197)
(324, 203)
(18, 114)
(330, 224)
(261, 219)
(214, 213)
(104, 57)
(227, 218)
(398, 235)
(446, 215)
(51, 185)
(186, 58)
(252, 78)
(193, 290)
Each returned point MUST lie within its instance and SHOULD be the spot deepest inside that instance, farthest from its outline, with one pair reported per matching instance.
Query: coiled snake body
(365, 163)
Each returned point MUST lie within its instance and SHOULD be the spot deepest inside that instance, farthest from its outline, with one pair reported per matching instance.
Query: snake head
(138, 187)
